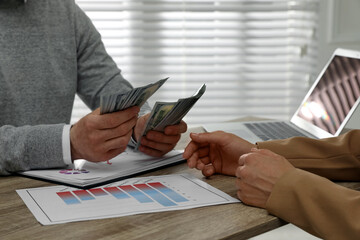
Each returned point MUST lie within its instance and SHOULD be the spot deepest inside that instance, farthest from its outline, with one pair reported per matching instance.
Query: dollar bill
(135, 97)
(158, 113)
(171, 113)
(181, 108)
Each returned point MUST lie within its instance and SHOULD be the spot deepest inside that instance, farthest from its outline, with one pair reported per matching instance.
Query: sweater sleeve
(97, 71)
(316, 205)
(30, 147)
(336, 158)
(34, 141)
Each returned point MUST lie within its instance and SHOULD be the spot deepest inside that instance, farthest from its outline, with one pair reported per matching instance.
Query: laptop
(324, 111)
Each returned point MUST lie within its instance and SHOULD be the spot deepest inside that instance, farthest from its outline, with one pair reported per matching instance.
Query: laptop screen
(334, 95)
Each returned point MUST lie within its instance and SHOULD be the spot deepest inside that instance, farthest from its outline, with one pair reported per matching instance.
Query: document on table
(62, 204)
(88, 174)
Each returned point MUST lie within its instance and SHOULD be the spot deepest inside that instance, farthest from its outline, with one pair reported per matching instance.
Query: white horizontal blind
(256, 57)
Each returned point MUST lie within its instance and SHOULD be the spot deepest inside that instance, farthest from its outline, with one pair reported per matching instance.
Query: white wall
(339, 27)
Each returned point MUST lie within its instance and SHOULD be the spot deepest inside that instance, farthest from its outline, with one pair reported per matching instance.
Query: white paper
(61, 204)
(124, 165)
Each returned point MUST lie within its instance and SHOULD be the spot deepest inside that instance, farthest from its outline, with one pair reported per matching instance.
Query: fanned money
(170, 113)
(135, 97)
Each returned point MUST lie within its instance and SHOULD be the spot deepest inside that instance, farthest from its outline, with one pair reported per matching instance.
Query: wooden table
(230, 221)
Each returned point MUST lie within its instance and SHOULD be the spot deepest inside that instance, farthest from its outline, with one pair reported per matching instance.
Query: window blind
(257, 57)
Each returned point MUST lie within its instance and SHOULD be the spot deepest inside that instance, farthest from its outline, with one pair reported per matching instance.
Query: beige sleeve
(335, 158)
(316, 205)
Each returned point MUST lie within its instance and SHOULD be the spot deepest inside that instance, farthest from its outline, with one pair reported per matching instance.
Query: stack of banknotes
(135, 97)
(163, 113)
(170, 113)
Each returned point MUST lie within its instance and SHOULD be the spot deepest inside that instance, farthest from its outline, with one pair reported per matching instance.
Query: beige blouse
(307, 198)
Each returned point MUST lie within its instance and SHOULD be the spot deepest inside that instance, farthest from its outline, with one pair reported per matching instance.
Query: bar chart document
(62, 204)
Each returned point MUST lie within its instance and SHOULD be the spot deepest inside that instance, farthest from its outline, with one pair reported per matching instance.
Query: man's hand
(156, 143)
(215, 152)
(257, 174)
(99, 138)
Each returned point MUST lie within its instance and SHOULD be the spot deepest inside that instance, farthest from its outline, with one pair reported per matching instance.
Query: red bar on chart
(117, 192)
(83, 195)
(138, 195)
(98, 192)
(156, 195)
(168, 192)
(68, 198)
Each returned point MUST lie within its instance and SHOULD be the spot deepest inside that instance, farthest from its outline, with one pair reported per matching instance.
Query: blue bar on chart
(168, 192)
(143, 193)
(68, 198)
(83, 195)
(157, 196)
(116, 192)
(138, 195)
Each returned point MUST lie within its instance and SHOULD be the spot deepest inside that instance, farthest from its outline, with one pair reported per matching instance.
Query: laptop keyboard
(273, 130)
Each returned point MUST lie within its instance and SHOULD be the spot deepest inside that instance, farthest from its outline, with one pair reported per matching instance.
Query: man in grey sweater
(49, 51)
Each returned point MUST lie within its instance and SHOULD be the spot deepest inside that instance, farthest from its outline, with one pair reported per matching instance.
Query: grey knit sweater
(49, 51)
